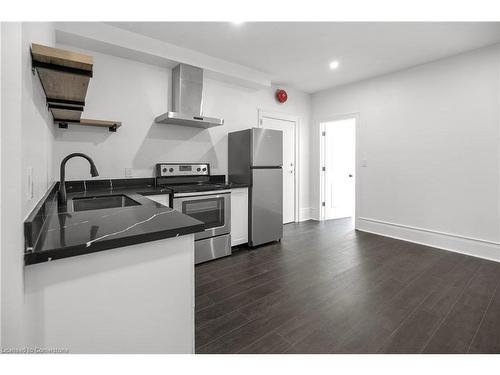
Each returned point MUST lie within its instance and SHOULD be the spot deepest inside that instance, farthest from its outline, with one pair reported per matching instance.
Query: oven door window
(210, 211)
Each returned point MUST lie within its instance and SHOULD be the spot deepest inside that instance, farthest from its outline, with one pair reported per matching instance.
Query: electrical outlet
(364, 163)
(129, 172)
(29, 183)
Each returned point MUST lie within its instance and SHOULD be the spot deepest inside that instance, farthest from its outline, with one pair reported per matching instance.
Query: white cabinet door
(239, 216)
(162, 199)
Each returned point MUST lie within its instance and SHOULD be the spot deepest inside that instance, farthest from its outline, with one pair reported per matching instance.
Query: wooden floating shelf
(65, 77)
(111, 125)
(61, 57)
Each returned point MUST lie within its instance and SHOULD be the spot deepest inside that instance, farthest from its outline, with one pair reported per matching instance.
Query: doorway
(338, 166)
(288, 125)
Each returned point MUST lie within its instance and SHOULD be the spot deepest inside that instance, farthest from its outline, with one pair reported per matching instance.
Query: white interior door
(288, 129)
(339, 150)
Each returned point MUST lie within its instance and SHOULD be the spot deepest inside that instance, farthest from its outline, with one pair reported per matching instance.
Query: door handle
(350, 175)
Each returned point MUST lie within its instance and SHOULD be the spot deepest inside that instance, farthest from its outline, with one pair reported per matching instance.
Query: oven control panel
(186, 169)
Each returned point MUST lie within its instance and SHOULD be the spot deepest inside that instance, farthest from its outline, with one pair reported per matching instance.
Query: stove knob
(198, 169)
(164, 170)
(204, 169)
(171, 170)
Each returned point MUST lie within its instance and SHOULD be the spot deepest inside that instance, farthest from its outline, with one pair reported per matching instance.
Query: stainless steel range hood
(187, 97)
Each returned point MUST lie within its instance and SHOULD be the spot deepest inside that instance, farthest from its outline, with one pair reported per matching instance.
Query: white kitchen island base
(134, 299)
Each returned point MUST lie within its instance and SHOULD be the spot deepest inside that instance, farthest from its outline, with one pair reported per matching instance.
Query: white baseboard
(460, 244)
(314, 213)
(308, 213)
(304, 214)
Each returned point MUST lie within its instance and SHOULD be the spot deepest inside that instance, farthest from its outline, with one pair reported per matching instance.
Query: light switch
(364, 163)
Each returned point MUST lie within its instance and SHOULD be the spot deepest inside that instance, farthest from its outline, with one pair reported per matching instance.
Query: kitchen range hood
(187, 96)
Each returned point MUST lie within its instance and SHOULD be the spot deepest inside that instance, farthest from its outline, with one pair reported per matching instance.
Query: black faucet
(62, 198)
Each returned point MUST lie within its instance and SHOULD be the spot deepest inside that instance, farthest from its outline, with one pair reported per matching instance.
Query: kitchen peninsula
(110, 277)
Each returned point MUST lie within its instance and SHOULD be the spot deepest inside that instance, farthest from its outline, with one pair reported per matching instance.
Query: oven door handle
(202, 194)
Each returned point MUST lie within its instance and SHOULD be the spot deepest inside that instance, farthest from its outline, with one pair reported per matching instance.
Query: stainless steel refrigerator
(256, 159)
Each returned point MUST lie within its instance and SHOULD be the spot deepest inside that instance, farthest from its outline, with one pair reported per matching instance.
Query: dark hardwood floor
(329, 289)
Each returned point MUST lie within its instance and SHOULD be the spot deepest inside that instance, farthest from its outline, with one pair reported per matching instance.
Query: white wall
(135, 93)
(26, 141)
(430, 136)
(11, 210)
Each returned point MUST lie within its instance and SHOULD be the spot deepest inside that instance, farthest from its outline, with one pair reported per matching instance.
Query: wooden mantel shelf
(65, 77)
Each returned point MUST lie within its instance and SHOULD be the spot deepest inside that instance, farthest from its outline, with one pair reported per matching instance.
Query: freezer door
(239, 157)
(267, 147)
(266, 206)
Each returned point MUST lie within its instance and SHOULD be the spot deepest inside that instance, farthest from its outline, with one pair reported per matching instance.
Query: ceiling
(299, 53)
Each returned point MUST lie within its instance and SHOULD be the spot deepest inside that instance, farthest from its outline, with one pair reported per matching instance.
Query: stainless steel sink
(102, 202)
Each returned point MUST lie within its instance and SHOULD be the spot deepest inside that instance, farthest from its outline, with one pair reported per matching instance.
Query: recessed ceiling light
(237, 23)
(334, 64)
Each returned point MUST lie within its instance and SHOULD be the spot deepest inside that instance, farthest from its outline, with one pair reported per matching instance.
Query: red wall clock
(281, 95)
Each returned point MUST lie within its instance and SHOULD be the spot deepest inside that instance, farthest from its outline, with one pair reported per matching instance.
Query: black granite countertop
(236, 185)
(52, 232)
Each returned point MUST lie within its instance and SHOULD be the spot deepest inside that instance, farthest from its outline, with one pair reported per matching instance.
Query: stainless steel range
(194, 192)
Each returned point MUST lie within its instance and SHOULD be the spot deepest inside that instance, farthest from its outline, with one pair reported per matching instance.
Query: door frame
(262, 114)
(356, 117)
